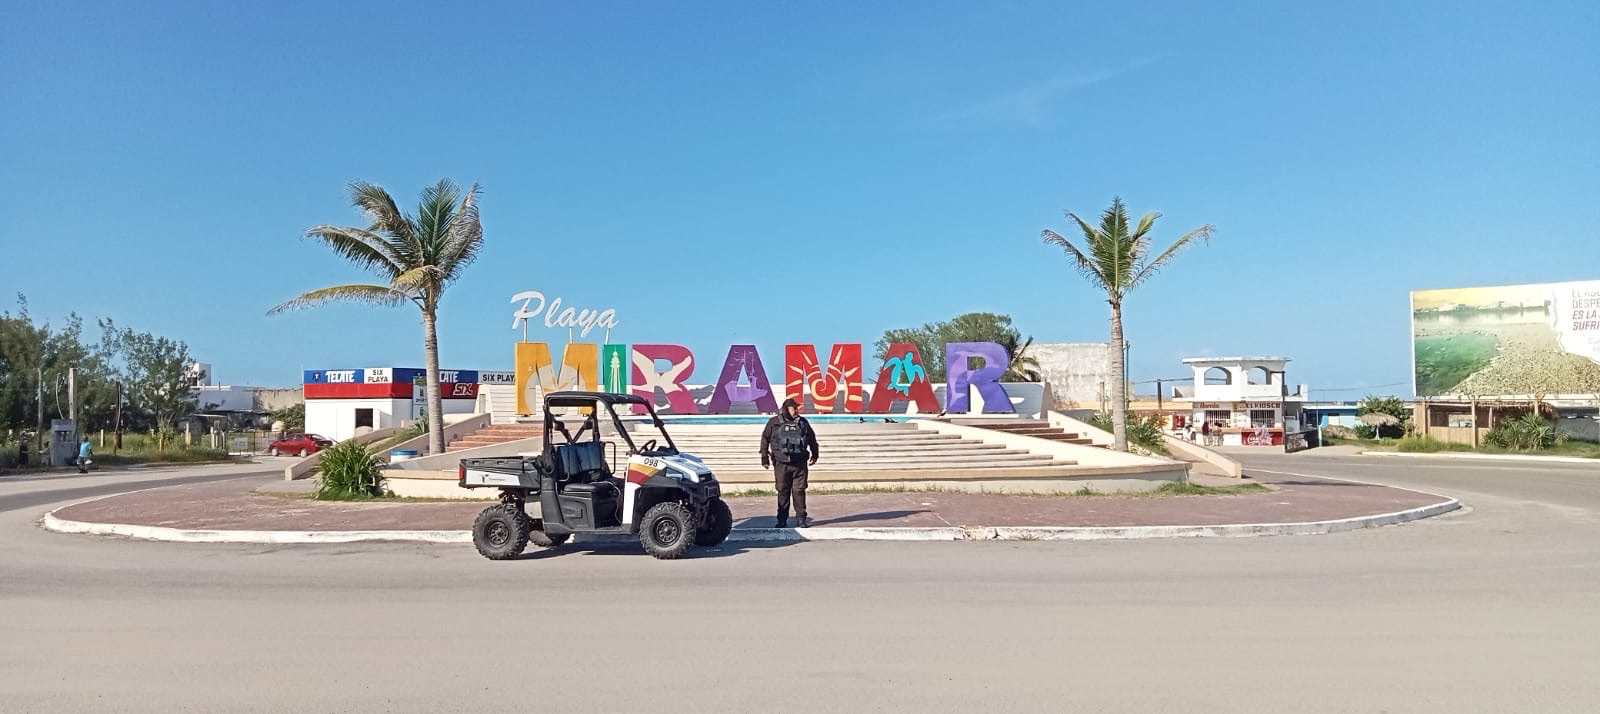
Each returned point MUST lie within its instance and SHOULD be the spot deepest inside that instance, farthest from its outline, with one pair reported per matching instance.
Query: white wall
(1240, 389)
(1078, 372)
(336, 418)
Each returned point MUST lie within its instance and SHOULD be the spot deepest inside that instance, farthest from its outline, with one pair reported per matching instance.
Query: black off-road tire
(667, 530)
(501, 532)
(544, 540)
(717, 525)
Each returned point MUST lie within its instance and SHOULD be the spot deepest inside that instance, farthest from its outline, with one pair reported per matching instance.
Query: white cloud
(1032, 104)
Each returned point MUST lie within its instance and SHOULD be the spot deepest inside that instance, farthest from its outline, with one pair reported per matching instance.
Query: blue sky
(735, 172)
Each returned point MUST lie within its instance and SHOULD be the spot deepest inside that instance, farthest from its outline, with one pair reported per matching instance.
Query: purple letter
(986, 378)
(742, 358)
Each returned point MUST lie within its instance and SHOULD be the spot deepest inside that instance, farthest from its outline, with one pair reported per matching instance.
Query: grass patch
(1186, 488)
(1570, 447)
(408, 434)
(1428, 445)
(190, 456)
(385, 498)
(1368, 444)
(1444, 361)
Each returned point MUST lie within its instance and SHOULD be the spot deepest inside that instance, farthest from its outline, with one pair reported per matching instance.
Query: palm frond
(466, 237)
(1202, 233)
(379, 207)
(421, 280)
(1081, 261)
(434, 216)
(1113, 250)
(364, 248)
(370, 294)
(1140, 239)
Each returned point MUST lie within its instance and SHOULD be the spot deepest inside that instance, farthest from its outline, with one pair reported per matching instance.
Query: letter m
(804, 377)
(580, 369)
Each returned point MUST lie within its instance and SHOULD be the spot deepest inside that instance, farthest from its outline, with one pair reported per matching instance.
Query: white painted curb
(179, 535)
(1487, 457)
(753, 535)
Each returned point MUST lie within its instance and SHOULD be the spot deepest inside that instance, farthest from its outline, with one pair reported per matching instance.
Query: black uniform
(790, 447)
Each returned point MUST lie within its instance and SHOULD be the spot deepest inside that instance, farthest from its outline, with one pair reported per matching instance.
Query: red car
(299, 445)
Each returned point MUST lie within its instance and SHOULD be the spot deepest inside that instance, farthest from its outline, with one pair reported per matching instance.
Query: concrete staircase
(499, 401)
(496, 434)
(735, 448)
(1038, 429)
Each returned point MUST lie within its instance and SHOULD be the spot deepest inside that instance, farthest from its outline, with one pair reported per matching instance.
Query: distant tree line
(932, 337)
(137, 376)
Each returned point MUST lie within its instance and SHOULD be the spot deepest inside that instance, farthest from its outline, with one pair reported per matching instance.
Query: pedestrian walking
(85, 450)
(1205, 432)
(789, 447)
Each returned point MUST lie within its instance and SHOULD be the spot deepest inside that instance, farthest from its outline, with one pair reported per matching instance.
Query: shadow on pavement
(634, 550)
(863, 517)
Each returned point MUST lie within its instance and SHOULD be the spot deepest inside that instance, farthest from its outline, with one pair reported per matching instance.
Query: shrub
(1145, 432)
(347, 471)
(1529, 432)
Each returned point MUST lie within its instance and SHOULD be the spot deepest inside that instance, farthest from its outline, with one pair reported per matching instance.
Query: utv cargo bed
(501, 472)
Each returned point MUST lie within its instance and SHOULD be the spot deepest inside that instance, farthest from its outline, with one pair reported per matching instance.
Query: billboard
(1511, 341)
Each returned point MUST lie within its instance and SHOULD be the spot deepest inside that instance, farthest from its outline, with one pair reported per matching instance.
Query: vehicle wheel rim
(497, 534)
(666, 531)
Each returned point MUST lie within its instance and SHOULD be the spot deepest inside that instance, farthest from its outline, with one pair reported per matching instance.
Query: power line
(1357, 389)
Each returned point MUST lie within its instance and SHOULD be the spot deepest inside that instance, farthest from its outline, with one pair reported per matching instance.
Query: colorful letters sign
(646, 379)
(903, 378)
(834, 387)
(806, 378)
(742, 360)
(985, 379)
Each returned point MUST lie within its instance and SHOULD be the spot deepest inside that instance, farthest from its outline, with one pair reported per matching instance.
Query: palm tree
(1117, 261)
(418, 257)
(1024, 367)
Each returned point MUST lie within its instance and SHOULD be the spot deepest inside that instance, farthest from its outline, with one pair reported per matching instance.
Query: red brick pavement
(233, 505)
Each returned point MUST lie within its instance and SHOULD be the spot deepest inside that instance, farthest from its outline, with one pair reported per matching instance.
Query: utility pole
(72, 395)
(38, 436)
(117, 444)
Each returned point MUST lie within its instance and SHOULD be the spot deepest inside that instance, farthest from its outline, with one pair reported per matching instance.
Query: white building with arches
(1248, 396)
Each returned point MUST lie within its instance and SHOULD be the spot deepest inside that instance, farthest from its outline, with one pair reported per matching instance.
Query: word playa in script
(556, 316)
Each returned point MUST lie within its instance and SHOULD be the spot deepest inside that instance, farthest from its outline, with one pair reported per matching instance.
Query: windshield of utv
(646, 432)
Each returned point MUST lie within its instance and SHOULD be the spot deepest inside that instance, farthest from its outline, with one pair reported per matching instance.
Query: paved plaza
(1491, 608)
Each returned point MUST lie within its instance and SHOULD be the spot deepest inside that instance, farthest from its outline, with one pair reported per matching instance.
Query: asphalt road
(1494, 609)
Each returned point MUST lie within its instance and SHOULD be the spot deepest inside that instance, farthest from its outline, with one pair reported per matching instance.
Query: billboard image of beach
(1513, 341)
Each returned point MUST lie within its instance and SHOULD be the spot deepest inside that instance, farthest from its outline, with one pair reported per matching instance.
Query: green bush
(1428, 445)
(1145, 432)
(1529, 432)
(347, 471)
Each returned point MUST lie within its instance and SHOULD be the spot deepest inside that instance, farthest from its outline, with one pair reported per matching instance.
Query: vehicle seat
(582, 462)
(595, 489)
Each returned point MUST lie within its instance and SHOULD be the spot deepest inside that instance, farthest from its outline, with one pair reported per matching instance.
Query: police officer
(789, 441)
